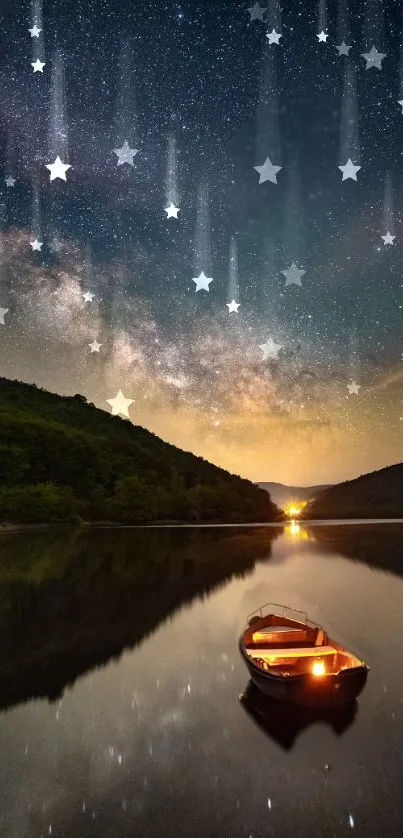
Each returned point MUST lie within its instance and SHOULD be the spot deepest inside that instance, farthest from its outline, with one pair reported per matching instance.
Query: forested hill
(64, 459)
(375, 495)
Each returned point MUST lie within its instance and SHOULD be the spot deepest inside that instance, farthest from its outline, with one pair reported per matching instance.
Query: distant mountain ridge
(282, 494)
(378, 494)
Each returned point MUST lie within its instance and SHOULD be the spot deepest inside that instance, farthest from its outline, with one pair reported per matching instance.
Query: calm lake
(125, 706)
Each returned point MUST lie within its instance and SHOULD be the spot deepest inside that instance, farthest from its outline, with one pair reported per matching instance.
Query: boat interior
(285, 646)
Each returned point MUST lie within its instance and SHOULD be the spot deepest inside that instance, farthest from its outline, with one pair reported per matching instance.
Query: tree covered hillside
(375, 495)
(62, 459)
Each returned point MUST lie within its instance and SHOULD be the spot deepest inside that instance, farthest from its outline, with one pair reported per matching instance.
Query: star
(34, 31)
(172, 211)
(373, 58)
(3, 312)
(120, 405)
(233, 307)
(343, 48)
(349, 170)
(400, 102)
(58, 169)
(202, 282)
(293, 275)
(353, 388)
(38, 65)
(322, 36)
(267, 171)
(273, 36)
(9, 181)
(256, 12)
(88, 297)
(270, 349)
(388, 239)
(36, 245)
(125, 154)
(95, 346)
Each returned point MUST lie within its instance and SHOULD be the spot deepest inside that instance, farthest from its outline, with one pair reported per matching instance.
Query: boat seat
(306, 652)
(278, 629)
(279, 634)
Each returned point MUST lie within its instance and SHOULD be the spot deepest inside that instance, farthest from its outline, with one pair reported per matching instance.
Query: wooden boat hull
(333, 690)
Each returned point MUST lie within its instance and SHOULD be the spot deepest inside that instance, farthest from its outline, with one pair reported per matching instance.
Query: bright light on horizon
(294, 508)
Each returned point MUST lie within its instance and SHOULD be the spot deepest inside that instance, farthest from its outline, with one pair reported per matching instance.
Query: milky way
(184, 85)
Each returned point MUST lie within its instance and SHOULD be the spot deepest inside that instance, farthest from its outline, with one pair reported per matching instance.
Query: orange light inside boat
(318, 668)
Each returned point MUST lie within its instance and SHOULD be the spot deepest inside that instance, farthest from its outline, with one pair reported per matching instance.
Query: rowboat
(292, 658)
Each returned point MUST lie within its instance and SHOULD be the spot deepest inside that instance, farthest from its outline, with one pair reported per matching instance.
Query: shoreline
(6, 528)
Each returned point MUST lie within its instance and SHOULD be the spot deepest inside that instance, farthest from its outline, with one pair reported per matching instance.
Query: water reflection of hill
(70, 601)
(377, 545)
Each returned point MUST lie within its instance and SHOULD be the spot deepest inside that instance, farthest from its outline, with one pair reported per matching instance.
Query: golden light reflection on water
(296, 532)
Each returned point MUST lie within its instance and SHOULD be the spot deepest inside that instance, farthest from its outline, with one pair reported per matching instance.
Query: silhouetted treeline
(62, 459)
(375, 495)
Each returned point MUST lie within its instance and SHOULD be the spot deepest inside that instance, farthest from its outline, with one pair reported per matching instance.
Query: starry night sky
(196, 72)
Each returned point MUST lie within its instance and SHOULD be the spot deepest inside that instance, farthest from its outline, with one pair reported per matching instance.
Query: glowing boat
(292, 658)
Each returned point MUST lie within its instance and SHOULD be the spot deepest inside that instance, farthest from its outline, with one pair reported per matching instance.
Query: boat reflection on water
(284, 722)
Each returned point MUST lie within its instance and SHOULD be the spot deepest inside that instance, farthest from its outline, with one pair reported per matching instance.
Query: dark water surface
(120, 684)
